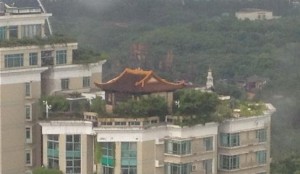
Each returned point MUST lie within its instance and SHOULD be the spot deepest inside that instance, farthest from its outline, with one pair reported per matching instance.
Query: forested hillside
(180, 39)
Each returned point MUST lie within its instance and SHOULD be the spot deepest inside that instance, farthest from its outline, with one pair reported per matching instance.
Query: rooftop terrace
(36, 41)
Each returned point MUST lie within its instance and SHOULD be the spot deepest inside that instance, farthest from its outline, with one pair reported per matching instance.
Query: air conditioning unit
(158, 164)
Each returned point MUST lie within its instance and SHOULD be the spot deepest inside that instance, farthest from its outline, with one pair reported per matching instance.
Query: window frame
(229, 162)
(261, 135)
(65, 84)
(3, 35)
(208, 143)
(208, 163)
(73, 163)
(28, 152)
(30, 31)
(61, 57)
(86, 82)
(129, 154)
(107, 170)
(28, 112)
(13, 32)
(53, 144)
(13, 60)
(261, 157)
(230, 139)
(178, 147)
(27, 89)
(173, 168)
(28, 134)
(33, 58)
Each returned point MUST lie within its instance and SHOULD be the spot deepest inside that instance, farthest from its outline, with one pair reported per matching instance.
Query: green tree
(43, 170)
(229, 89)
(98, 105)
(58, 103)
(201, 104)
(146, 106)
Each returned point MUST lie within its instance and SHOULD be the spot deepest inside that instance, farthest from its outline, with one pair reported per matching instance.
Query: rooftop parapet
(12, 10)
(100, 121)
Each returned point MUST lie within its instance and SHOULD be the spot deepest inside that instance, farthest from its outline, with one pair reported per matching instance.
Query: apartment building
(30, 60)
(150, 145)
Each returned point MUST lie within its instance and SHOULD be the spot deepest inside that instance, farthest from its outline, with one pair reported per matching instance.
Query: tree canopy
(145, 106)
(43, 170)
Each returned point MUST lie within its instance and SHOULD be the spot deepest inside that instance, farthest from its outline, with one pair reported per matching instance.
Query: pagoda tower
(209, 79)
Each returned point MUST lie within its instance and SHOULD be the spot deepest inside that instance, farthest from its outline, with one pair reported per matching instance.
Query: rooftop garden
(64, 107)
(192, 106)
(145, 107)
(83, 55)
(202, 107)
(55, 39)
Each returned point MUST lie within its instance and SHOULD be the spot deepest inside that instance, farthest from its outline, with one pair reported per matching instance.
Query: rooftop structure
(254, 14)
(129, 144)
(134, 83)
(138, 81)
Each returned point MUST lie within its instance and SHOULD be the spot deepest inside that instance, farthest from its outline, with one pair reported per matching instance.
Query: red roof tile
(138, 81)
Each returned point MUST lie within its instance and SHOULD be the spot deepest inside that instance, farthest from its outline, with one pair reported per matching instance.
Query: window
(261, 135)
(47, 58)
(207, 166)
(27, 89)
(230, 140)
(129, 158)
(53, 151)
(177, 147)
(13, 60)
(73, 154)
(108, 157)
(61, 57)
(261, 157)
(120, 123)
(2, 33)
(171, 168)
(28, 157)
(64, 84)
(86, 82)
(107, 170)
(134, 123)
(28, 112)
(28, 134)
(208, 143)
(128, 170)
(13, 32)
(30, 31)
(229, 162)
(33, 59)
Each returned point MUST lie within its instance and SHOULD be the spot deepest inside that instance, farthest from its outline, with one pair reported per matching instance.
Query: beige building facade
(145, 145)
(25, 68)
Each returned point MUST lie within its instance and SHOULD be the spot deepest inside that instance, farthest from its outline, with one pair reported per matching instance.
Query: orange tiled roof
(138, 81)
